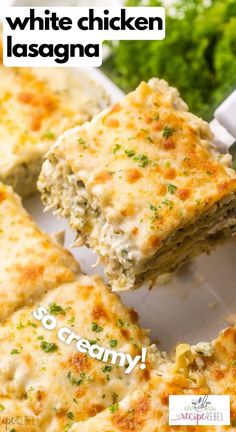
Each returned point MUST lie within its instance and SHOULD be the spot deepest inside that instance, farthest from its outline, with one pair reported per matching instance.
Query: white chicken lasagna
(143, 185)
(48, 386)
(36, 106)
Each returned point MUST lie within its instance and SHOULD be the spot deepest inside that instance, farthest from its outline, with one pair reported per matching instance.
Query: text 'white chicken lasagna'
(143, 185)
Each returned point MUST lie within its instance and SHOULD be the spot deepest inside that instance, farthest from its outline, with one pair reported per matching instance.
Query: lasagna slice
(196, 371)
(36, 106)
(30, 263)
(143, 185)
(49, 383)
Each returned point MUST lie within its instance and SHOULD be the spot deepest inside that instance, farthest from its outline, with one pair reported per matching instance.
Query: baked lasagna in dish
(143, 185)
(36, 106)
(195, 372)
(47, 385)
(46, 382)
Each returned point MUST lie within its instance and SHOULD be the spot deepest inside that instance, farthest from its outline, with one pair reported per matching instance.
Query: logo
(199, 410)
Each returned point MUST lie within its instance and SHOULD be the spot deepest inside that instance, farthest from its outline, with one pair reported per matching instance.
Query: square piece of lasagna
(143, 185)
(36, 106)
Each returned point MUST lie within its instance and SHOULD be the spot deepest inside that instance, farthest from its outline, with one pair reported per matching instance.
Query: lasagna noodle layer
(143, 185)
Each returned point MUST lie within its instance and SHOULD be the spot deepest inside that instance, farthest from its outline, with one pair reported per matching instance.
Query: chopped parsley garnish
(92, 341)
(233, 422)
(149, 139)
(2, 407)
(155, 215)
(156, 117)
(116, 148)
(113, 408)
(49, 135)
(142, 159)
(70, 415)
(113, 343)
(48, 347)
(96, 328)
(54, 309)
(82, 142)
(75, 381)
(167, 202)
(152, 207)
(71, 321)
(31, 324)
(15, 351)
(120, 322)
(234, 363)
(12, 430)
(168, 131)
(107, 368)
(172, 189)
(130, 152)
(20, 326)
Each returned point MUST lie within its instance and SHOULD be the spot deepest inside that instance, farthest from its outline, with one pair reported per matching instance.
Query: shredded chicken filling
(125, 267)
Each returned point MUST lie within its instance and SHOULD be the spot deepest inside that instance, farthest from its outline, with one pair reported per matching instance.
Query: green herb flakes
(15, 351)
(120, 323)
(48, 347)
(172, 189)
(54, 309)
(168, 131)
(75, 381)
(113, 408)
(130, 152)
(96, 328)
(107, 368)
(113, 343)
(116, 148)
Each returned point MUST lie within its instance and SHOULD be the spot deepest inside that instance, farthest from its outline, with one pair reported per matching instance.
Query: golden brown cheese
(36, 106)
(30, 263)
(49, 379)
(43, 379)
(153, 181)
(147, 409)
(49, 385)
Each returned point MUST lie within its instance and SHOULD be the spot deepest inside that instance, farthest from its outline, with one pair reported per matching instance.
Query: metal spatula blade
(224, 125)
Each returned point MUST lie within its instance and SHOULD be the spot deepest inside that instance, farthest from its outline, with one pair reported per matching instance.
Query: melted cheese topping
(30, 263)
(40, 376)
(147, 409)
(149, 165)
(36, 106)
(59, 389)
(149, 170)
(50, 384)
